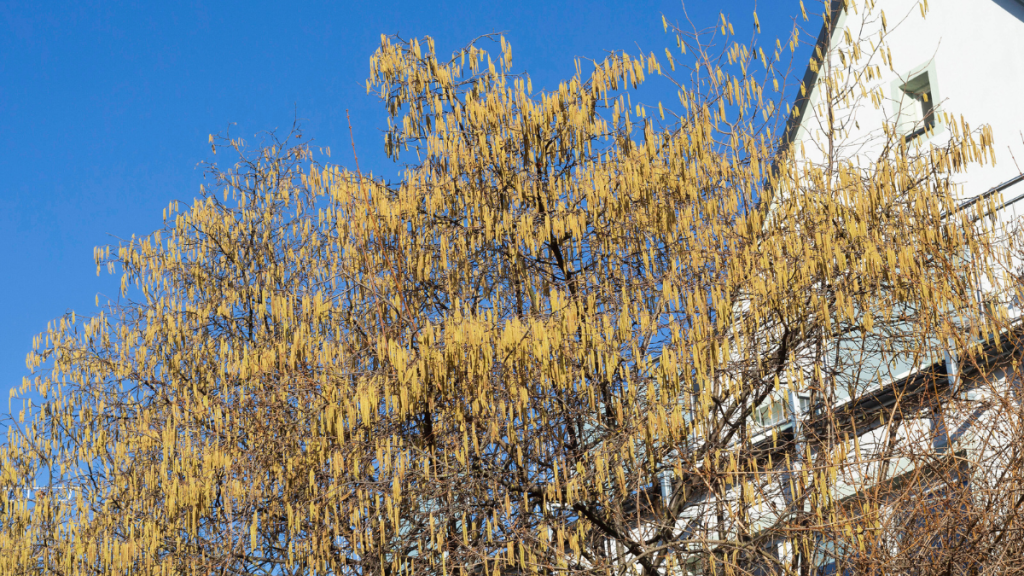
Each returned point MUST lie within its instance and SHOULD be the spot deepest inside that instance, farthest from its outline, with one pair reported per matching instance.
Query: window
(917, 108)
(775, 411)
(771, 413)
(934, 527)
(915, 102)
(831, 558)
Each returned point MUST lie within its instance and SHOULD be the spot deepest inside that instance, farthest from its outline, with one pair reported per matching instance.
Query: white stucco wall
(976, 51)
(973, 51)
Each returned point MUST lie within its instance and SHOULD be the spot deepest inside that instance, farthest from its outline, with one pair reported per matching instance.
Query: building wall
(974, 53)
(975, 49)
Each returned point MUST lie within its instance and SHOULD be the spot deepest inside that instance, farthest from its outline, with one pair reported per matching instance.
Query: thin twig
(353, 140)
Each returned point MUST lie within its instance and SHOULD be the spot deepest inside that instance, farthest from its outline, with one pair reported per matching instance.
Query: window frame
(921, 79)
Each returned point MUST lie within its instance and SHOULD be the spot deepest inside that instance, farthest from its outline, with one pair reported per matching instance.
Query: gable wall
(976, 50)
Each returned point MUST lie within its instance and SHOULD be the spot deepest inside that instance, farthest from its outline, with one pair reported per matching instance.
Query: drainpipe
(666, 486)
(953, 378)
(940, 435)
(796, 420)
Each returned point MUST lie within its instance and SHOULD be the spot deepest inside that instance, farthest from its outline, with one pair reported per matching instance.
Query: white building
(948, 66)
(963, 58)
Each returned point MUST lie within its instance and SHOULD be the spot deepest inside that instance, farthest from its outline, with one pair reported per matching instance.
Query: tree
(496, 363)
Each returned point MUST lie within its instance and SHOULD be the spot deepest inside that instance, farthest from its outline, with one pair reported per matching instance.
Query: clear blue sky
(106, 107)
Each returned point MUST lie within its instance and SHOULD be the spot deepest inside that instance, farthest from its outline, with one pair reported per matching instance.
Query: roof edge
(810, 79)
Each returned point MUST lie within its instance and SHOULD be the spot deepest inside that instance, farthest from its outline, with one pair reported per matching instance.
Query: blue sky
(106, 107)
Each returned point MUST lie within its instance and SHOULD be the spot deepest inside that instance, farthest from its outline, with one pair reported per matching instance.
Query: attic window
(917, 108)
